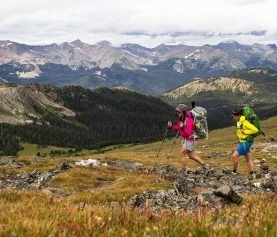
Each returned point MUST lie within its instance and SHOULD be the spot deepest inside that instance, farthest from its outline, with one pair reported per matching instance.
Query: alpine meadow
(94, 200)
(100, 161)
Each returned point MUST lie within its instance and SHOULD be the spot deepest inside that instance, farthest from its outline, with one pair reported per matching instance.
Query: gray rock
(229, 194)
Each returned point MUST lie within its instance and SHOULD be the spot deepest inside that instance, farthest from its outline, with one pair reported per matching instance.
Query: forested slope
(102, 117)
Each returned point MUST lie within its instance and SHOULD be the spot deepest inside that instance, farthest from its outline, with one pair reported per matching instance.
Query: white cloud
(148, 23)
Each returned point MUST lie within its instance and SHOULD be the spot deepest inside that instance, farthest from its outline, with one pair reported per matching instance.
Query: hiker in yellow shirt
(244, 130)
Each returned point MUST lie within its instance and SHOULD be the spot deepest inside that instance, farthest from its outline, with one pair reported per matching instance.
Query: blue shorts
(244, 148)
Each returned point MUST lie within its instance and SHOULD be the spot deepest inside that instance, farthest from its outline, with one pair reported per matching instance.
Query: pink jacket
(187, 131)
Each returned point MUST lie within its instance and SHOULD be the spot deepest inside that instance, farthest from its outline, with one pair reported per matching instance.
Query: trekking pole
(173, 144)
(162, 142)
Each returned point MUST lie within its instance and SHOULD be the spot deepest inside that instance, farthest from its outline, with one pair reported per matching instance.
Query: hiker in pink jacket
(185, 126)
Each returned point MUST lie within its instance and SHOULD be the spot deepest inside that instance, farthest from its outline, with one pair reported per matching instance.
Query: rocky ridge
(236, 85)
(196, 189)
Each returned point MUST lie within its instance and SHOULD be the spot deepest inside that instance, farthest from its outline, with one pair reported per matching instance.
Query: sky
(148, 23)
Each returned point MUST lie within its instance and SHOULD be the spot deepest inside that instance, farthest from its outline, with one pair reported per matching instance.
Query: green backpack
(251, 116)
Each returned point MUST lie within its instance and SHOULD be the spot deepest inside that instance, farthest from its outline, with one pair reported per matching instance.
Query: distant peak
(104, 42)
(272, 46)
(77, 42)
(161, 46)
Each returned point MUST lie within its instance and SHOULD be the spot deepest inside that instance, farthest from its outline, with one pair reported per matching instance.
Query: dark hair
(237, 112)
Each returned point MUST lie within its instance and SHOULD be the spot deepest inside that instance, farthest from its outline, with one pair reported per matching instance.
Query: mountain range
(78, 117)
(90, 96)
(147, 70)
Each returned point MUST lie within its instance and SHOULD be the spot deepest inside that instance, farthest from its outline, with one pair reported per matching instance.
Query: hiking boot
(207, 168)
(182, 172)
(252, 176)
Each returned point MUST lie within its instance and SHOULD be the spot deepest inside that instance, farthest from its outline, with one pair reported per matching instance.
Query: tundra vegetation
(85, 208)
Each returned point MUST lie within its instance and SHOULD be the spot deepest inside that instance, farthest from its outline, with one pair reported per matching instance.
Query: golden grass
(35, 214)
(85, 209)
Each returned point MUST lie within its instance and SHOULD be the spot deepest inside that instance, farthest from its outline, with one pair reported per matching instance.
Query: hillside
(255, 87)
(259, 75)
(18, 103)
(131, 191)
(77, 117)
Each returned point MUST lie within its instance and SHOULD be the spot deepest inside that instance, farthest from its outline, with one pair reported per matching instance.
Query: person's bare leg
(249, 161)
(183, 158)
(194, 157)
(235, 157)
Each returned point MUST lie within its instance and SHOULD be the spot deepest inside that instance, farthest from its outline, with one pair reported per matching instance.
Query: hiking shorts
(189, 145)
(244, 148)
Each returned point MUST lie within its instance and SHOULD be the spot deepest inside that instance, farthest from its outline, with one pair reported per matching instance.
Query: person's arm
(248, 128)
(174, 127)
(188, 129)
